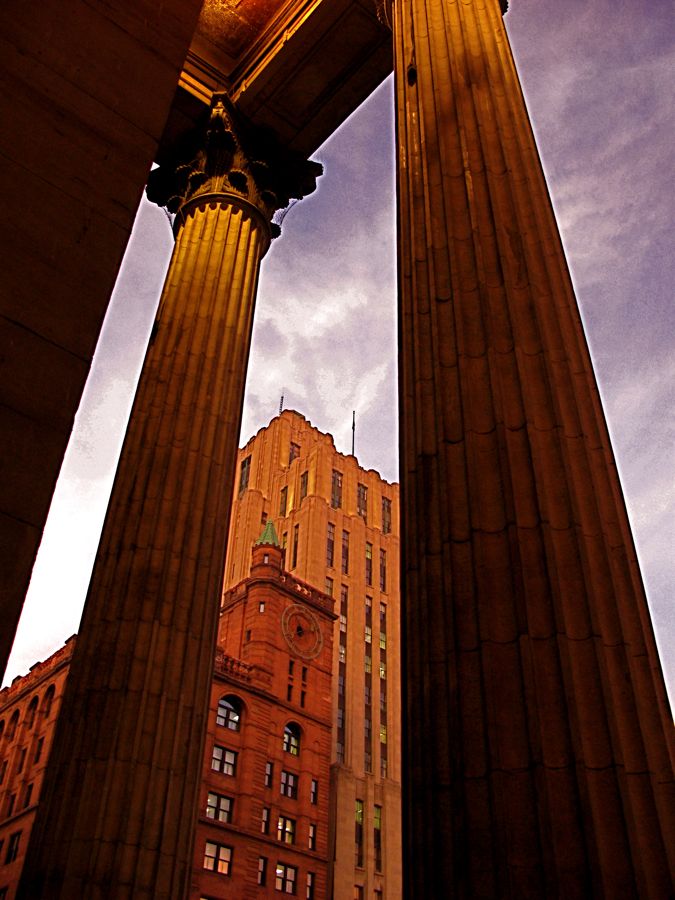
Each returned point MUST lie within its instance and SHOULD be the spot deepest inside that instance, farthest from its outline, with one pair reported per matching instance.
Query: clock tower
(264, 810)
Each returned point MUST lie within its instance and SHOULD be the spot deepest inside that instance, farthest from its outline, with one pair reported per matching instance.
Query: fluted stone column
(117, 816)
(538, 745)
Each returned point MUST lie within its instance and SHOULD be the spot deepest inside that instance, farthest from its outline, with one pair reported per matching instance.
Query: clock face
(302, 631)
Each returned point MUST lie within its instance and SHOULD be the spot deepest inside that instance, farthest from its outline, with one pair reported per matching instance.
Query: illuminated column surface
(538, 749)
(116, 818)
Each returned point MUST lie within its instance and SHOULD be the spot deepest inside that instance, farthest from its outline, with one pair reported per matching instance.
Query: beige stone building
(339, 526)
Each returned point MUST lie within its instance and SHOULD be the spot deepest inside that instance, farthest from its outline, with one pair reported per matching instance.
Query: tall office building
(338, 525)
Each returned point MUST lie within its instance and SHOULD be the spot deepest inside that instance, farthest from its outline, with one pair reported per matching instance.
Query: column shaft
(539, 743)
(118, 811)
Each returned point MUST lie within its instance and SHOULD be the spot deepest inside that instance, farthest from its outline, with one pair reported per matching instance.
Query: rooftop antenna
(281, 401)
(353, 429)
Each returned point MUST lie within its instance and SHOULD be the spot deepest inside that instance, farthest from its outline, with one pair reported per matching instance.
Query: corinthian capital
(226, 155)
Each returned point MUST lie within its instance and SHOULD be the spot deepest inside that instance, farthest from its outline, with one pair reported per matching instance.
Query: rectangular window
(383, 669)
(265, 820)
(314, 792)
(340, 752)
(283, 501)
(329, 586)
(377, 838)
(369, 663)
(303, 694)
(383, 640)
(330, 545)
(358, 892)
(310, 886)
(304, 674)
(244, 473)
(345, 553)
(383, 570)
(11, 800)
(342, 653)
(289, 785)
(343, 623)
(224, 760)
(219, 807)
(386, 515)
(336, 490)
(367, 761)
(296, 535)
(383, 734)
(294, 452)
(262, 870)
(13, 847)
(217, 858)
(289, 693)
(383, 767)
(3, 770)
(358, 832)
(369, 563)
(311, 836)
(362, 500)
(303, 485)
(286, 830)
(369, 634)
(21, 760)
(28, 795)
(285, 878)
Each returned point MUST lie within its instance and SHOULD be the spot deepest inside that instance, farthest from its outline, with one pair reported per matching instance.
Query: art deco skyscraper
(339, 526)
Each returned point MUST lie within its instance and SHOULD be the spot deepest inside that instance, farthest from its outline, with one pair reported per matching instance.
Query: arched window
(11, 728)
(292, 739)
(48, 700)
(30, 715)
(229, 712)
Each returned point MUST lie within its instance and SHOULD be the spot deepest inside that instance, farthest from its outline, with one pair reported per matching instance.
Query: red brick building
(264, 807)
(263, 818)
(28, 712)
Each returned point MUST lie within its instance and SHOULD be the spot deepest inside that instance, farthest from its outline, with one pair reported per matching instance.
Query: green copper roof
(269, 535)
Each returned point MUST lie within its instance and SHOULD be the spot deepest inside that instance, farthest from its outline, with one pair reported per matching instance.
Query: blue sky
(598, 81)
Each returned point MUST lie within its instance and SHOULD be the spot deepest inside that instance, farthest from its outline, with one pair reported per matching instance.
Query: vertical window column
(368, 709)
(377, 837)
(330, 545)
(362, 501)
(342, 675)
(336, 490)
(345, 553)
(358, 833)
(294, 557)
(386, 515)
(369, 563)
(383, 691)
